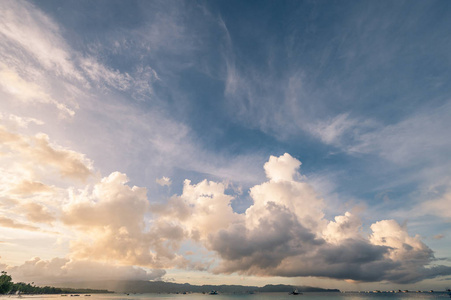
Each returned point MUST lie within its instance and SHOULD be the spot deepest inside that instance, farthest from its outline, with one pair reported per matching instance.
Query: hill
(137, 286)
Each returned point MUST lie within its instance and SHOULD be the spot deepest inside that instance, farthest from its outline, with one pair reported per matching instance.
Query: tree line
(7, 286)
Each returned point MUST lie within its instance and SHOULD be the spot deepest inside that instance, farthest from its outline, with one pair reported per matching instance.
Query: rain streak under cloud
(164, 140)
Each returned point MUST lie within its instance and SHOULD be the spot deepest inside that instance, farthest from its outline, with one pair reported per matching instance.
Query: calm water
(266, 296)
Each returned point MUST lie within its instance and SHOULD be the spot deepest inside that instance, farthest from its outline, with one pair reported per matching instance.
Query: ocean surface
(263, 296)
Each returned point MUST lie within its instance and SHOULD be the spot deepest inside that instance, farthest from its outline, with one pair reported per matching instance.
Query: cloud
(65, 270)
(281, 168)
(406, 141)
(43, 71)
(277, 235)
(21, 122)
(34, 176)
(27, 28)
(112, 226)
(37, 213)
(38, 66)
(7, 222)
(284, 233)
(438, 236)
(330, 132)
(29, 92)
(437, 206)
(103, 75)
(26, 187)
(402, 246)
(343, 228)
(164, 181)
(38, 151)
(111, 222)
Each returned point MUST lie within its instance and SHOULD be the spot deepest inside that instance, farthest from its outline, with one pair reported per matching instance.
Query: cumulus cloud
(343, 228)
(284, 233)
(281, 168)
(111, 220)
(64, 270)
(112, 225)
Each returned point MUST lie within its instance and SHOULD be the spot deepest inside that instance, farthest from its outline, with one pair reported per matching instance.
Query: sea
(257, 296)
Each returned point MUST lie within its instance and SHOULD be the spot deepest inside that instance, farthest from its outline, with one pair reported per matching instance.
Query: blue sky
(164, 91)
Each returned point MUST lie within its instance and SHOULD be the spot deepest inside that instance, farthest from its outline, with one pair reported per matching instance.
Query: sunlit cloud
(35, 152)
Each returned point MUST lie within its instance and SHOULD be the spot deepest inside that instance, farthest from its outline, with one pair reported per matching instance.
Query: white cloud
(332, 131)
(12, 83)
(24, 26)
(344, 227)
(402, 247)
(21, 122)
(105, 76)
(437, 206)
(416, 139)
(164, 181)
(281, 168)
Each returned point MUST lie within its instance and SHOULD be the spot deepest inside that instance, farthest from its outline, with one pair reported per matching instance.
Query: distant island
(141, 286)
(7, 286)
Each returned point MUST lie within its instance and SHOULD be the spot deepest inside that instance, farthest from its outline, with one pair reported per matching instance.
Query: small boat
(213, 293)
(295, 292)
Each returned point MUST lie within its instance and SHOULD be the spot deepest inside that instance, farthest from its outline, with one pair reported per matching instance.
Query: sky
(235, 142)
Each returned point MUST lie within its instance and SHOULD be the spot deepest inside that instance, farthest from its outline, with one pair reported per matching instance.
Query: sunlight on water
(267, 296)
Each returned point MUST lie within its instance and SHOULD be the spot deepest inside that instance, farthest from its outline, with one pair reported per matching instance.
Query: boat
(295, 292)
(213, 293)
